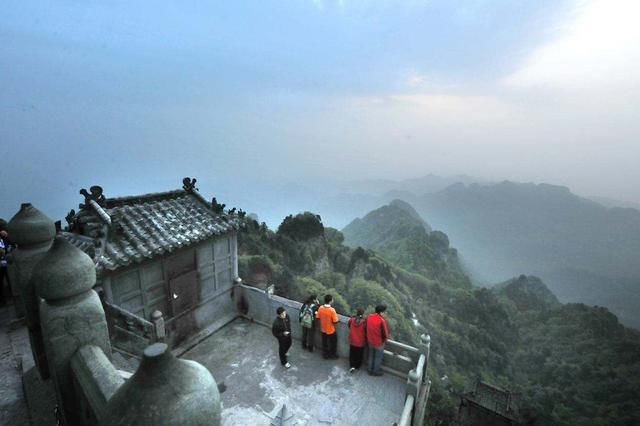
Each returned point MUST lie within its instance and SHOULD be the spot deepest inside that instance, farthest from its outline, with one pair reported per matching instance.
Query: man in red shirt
(377, 335)
(328, 317)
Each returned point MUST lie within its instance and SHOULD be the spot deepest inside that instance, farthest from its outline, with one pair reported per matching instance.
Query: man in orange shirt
(328, 317)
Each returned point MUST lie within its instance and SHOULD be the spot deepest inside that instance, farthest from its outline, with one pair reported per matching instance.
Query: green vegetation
(567, 364)
(398, 234)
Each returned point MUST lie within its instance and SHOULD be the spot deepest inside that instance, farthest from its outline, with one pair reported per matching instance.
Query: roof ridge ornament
(189, 184)
(217, 207)
(96, 200)
(96, 194)
(71, 219)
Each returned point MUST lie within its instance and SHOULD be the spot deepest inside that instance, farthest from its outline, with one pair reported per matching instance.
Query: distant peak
(528, 292)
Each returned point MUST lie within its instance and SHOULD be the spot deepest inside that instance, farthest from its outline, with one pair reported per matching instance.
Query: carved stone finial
(30, 227)
(65, 271)
(189, 184)
(166, 390)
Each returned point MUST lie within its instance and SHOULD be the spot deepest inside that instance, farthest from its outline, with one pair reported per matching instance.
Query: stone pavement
(315, 391)
(13, 409)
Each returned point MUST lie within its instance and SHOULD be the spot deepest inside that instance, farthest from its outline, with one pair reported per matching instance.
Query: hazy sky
(133, 95)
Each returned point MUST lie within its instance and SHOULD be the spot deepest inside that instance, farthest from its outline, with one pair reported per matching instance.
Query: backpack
(306, 317)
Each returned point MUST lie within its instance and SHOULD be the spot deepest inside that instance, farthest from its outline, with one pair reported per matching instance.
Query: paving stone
(315, 391)
(13, 409)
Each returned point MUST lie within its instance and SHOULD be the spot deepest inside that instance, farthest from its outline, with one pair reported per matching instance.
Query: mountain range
(584, 251)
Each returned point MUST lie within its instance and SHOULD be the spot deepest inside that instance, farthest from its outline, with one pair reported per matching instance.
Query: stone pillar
(425, 348)
(33, 232)
(413, 384)
(237, 292)
(159, 329)
(166, 390)
(234, 254)
(71, 316)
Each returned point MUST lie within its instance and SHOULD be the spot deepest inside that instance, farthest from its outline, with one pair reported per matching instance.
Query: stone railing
(95, 381)
(418, 387)
(400, 359)
(70, 342)
(89, 388)
(129, 333)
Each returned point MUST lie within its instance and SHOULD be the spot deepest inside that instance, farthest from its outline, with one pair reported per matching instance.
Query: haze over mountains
(584, 251)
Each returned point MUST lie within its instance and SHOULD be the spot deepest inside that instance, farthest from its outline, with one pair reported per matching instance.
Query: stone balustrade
(66, 314)
(261, 307)
(400, 359)
(129, 333)
(95, 380)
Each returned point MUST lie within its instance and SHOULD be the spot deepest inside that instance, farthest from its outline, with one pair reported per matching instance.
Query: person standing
(377, 335)
(281, 330)
(5, 247)
(328, 318)
(307, 321)
(357, 339)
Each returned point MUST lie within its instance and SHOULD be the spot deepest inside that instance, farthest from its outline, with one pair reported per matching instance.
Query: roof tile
(154, 224)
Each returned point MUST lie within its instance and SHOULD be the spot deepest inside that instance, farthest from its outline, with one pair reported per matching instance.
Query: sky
(247, 95)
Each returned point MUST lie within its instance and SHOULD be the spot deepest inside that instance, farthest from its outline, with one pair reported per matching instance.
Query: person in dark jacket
(307, 321)
(357, 339)
(281, 330)
(5, 248)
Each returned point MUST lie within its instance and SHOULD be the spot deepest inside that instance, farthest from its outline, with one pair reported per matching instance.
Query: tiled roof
(131, 229)
(492, 398)
(86, 244)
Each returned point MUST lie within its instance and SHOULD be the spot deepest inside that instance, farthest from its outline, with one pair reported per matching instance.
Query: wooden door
(183, 292)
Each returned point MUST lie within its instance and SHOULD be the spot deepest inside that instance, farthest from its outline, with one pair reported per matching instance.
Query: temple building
(167, 252)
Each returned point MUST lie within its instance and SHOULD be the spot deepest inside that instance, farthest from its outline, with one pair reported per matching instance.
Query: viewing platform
(244, 356)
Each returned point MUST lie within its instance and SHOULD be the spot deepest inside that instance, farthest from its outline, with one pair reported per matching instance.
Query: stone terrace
(243, 356)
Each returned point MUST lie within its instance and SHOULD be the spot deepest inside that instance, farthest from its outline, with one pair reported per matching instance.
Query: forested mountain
(398, 233)
(569, 364)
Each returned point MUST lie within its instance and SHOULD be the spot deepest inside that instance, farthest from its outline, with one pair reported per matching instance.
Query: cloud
(443, 110)
(599, 48)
